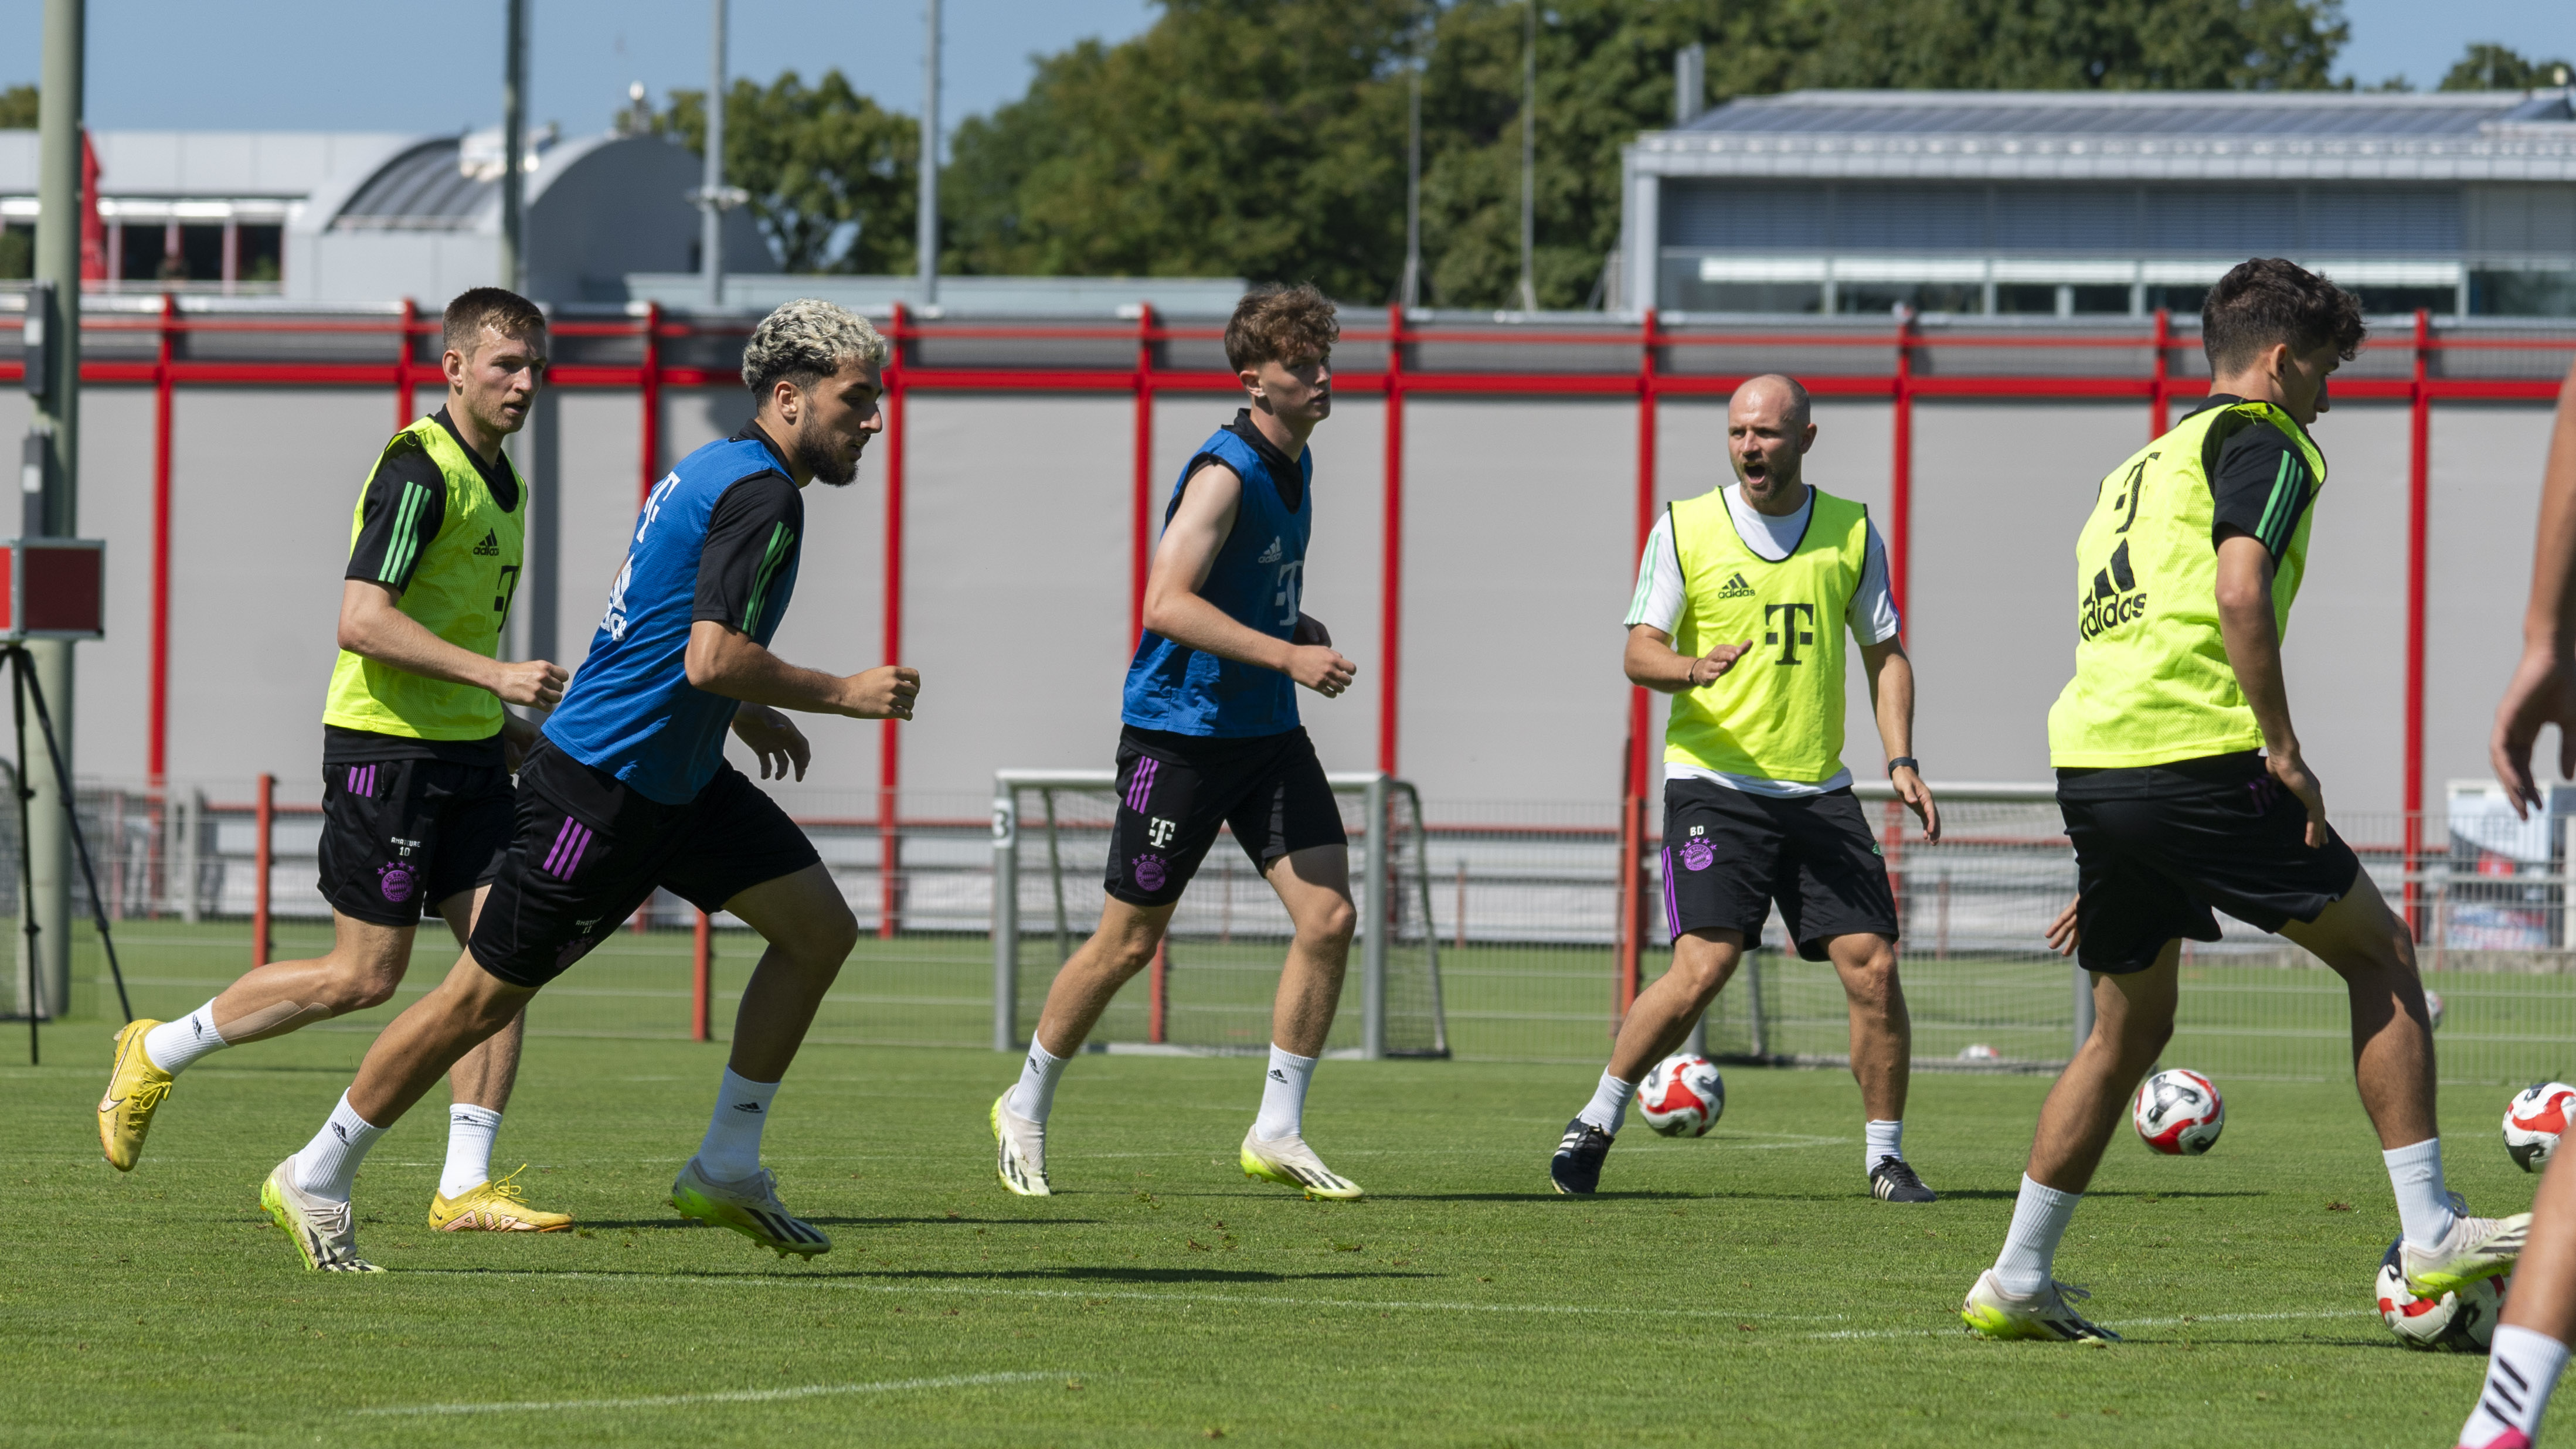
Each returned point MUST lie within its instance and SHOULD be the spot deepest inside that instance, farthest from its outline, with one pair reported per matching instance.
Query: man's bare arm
(373, 625)
(1175, 609)
(2543, 691)
(1651, 661)
(1891, 692)
(2253, 637)
(724, 660)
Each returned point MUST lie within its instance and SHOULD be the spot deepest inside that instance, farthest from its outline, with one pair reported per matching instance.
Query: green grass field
(1739, 1289)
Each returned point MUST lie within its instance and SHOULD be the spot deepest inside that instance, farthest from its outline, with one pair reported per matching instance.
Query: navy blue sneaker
(1576, 1168)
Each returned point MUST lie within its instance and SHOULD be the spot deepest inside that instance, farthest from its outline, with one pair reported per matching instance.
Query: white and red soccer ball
(1682, 1097)
(2463, 1321)
(2179, 1113)
(2533, 1121)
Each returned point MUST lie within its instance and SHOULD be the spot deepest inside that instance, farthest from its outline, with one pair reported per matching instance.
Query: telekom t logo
(1790, 633)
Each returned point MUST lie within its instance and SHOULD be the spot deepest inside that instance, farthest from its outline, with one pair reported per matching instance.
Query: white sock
(2030, 1249)
(1609, 1105)
(2521, 1370)
(732, 1149)
(2423, 1208)
(469, 1149)
(1883, 1139)
(329, 1163)
(1283, 1095)
(174, 1046)
(1034, 1096)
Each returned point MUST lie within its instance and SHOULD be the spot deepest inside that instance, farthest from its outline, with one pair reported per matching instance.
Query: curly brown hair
(2268, 300)
(1280, 323)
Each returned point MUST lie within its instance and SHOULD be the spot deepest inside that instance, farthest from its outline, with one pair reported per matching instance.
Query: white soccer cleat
(324, 1232)
(1993, 1312)
(1020, 1150)
(2473, 1249)
(749, 1207)
(1289, 1162)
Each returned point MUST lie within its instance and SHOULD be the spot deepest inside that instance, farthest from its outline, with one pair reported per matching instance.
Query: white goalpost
(1210, 989)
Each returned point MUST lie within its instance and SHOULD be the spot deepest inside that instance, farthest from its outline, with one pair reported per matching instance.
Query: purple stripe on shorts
(581, 842)
(563, 838)
(1672, 908)
(1140, 786)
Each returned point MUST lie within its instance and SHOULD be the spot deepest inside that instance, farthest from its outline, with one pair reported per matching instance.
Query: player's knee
(360, 985)
(829, 940)
(1331, 926)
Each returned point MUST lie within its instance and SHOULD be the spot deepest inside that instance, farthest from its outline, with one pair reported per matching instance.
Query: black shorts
(588, 851)
(2157, 848)
(1728, 854)
(401, 836)
(1175, 790)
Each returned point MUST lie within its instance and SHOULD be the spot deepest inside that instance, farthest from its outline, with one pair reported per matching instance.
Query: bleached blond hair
(808, 340)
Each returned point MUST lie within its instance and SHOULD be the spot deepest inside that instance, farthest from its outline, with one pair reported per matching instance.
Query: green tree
(2485, 67)
(830, 172)
(1262, 140)
(18, 108)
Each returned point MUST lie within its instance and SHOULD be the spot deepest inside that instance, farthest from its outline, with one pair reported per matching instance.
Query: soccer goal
(1210, 987)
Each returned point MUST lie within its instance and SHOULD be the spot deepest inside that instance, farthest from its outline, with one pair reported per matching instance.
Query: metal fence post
(1373, 918)
(1006, 917)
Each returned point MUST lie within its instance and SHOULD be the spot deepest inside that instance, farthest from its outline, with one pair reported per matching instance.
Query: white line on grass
(1246, 1300)
(737, 1396)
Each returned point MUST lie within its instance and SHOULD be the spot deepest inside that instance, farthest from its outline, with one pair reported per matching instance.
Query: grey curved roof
(421, 189)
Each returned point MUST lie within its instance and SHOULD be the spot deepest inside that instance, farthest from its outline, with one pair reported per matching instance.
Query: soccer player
(1211, 738)
(1742, 600)
(2183, 788)
(628, 789)
(2530, 1345)
(416, 757)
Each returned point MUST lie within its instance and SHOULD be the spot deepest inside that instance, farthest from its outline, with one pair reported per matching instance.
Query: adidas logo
(1274, 553)
(2114, 599)
(490, 547)
(751, 1107)
(1278, 1076)
(1736, 588)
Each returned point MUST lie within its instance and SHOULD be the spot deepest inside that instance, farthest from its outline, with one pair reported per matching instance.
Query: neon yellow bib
(460, 591)
(2152, 680)
(1778, 713)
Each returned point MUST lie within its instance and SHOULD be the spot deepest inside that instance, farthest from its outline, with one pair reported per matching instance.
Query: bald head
(1767, 436)
(1775, 392)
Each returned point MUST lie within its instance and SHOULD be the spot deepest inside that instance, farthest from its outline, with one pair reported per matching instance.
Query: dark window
(2101, 301)
(2523, 294)
(139, 255)
(1866, 297)
(2025, 299)
(2180, 301)
(261, 255)
(2390, 301)
(17, 252)
(201, 252)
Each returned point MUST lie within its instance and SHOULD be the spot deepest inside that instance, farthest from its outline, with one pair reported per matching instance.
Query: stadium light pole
(56, 456)
(1412, 291)
(927, 236)
(514, 142)
(1529, 156)
(711, 198)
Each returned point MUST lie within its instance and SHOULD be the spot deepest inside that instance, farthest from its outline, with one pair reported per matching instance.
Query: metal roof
(2127, 135)
(423, 189)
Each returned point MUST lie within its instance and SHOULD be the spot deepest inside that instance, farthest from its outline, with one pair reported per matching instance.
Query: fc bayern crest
(1149, 872)
(1698, 854)
(396, 880)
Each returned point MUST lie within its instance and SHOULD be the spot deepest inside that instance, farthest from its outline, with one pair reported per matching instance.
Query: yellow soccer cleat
(1289, 1162)
(498, 1206)
(1992, 1311)
(749, 1207)
(135, 1088)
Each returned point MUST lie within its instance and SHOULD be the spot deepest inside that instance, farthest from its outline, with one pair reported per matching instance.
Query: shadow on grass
(1592, 1197)
(644, 1224)
(894, 1277)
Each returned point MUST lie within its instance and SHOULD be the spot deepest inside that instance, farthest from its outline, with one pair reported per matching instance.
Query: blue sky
(188, 64)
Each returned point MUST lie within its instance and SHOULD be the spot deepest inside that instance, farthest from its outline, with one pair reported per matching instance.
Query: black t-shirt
(1284, 472)
(399, 515)
(752, 535)
(2259, 482)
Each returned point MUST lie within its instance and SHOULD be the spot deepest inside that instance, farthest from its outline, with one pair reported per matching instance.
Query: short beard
(1776, 479)
(819, 454)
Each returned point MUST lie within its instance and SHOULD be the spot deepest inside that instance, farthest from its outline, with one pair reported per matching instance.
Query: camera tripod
(23, 687)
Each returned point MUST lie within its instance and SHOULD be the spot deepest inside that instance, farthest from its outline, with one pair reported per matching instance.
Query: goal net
(1210, 988)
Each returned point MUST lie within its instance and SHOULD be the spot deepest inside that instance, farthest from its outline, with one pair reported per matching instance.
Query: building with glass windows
(2087, 203)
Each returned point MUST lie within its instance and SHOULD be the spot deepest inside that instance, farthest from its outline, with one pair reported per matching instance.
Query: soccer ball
(2463, 1321)
(2179, 1113)
(1682, 1097)
(2532, 1122)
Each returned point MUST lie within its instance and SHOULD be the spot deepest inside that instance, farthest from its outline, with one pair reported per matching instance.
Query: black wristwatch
(1908, 761)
